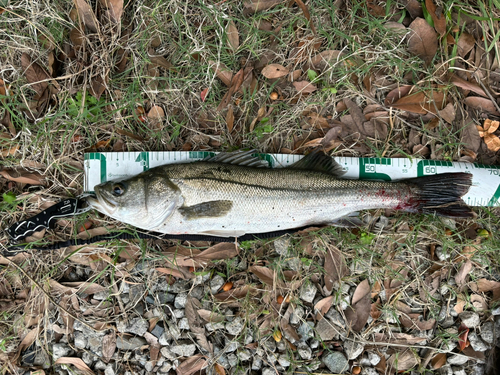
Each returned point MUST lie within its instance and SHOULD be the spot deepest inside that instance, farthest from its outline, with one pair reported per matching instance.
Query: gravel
(470, 319)
(336, 362)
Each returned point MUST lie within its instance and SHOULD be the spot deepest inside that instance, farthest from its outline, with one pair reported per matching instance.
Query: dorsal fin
(319, 162)
(244, 158)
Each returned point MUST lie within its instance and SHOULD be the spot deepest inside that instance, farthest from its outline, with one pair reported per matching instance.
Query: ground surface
(407, 294)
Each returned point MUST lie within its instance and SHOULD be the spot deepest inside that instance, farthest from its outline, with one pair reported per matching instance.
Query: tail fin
(441, 194)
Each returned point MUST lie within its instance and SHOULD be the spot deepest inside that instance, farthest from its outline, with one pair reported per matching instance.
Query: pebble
(129, 343)
(180, 300)
(326, 330)
(80, 340)
(305, 352)
(178, 313)
(495, 311)
(268, 371)
(336, 362)
(307, 292)
(158, 331)
(232, 359)
(487, 332)
(477, 344)
(478, 369)
(60, 350)
(373, 358)
(235, 327)
(167, 353)
(183, 323)
(442, 256)
(216, 283)
(100, 365)
(369, 371)
(256, 363)
(353, 349)
(244, 355)
(458, 371)
(138, 326)
(306, 330)
(445, 370)
(297, 315)
(183, 350)
(457, 359)
(214, 326)
(281, 245)
(110, 371)
(284, 360)
(470, 319)
(335, 318)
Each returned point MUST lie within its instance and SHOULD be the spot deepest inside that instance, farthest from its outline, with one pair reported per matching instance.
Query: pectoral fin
(206, 209)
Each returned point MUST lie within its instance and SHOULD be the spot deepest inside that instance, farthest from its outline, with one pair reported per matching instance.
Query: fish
(232, 194)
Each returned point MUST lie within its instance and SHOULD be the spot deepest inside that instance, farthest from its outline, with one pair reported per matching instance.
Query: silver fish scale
(265, 200)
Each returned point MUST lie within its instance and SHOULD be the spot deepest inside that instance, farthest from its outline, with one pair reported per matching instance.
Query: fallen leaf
(159, 60)
(266, 275)
(108, 346)
(77, 362)
(422, 102)
(230, 119)
(438, 361)
(115, 8)
(322, 307)
(155, 116)
(478, 302)
(272, 71)
(222, 250)
(462, 273)
(398, 338)
(192, 364)
(463, 332)
(97, 86)
(304, 87)
(254, 6)
(304, 9)
(179, 272)
(219, 369)
(486, 132)
(236, 293)
(357, 115)
(481, 104)
(397, 94)
(466, 85)
(448, 113)
(401, 361)
(438, 17)
(357, 314)
(325, 59)
(422, 42)
(86, 14)
(203, 94)
(35, 74)
(23, 176)
(335, 268)
(465, 43)
(222, 72)
(470, 136)
(210, 316)
(233, 37)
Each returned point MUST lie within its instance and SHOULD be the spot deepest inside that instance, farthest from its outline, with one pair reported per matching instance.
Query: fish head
(145, 201)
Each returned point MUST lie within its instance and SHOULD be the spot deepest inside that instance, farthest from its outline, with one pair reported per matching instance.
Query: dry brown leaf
(179, 272)
(254, 6)
(448, 113)
(322, 307)
(236, 83)
(192, 364)
(335, 268)
(466, 85)
(323, 60)
(35, 74)
(210, 316)
(27, 340)
(486, 131)
(396, 94)
(23, 176)
(438, 361)
(470, 136)
(115, 8)
(266, 275)
(77, 362)
(465, 43)
(219, 369)
(236, 293)
(304, 87)
(155, 116)
(85, 287)
(357, 314)
(159, 60)
(272, 71)
(223, 250)
(86, 14)
(230, 119)
(97, 86)
(478, 302)
(398, 338)
(481, 104)
(438, 17)
(402, 361)
(233, 36)
(357, 115)
(422, 42)
(304, 9)
(462, 273)
(422, 102)
(108, 346)
(222, 72)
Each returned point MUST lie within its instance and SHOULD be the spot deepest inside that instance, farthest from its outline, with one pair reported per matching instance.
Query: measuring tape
(100, 167)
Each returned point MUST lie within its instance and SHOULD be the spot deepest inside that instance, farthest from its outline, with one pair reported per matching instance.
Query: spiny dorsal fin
(244, 158)
(319, 162)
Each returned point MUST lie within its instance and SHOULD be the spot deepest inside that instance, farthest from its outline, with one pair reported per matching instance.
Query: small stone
(231, 346)
(314, 344)
(325, 330)
(167, 353)
(232, 359)
(305, 352)
(179, 313)
(174, 332)
(442, 256)
(138, 326)
(458, 371)
(297, 315)
(353, 349)
(129, 343)
(369, 371)
(183, 350)
(478, 369)
(100, 365)
(158, 331)
(256, 363)
(336, 362)
(306, 330)
(495, 311)
(149, 366)
(373, 358)
(487, 332)
(284, 360)
(235, 327)
(201, 279)
(268, 371)
(216, 283)
(80, 340)
(60, 350)
(244, 355)
(180, 300)
(282, 244)
(102, 295)
(307, 292)
(167, 366)
(477, 344)
(457, 359)
(214, 326)
(110, 371)
(335, 317)
(183, 323)
(445, 370)
(470, 319)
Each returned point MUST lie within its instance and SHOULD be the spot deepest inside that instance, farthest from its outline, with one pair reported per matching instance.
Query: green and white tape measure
(485, 191)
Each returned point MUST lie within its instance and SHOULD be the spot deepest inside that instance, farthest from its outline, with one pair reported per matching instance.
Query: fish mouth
(102, 203)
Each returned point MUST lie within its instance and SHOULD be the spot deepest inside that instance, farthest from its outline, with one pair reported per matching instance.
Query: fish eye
(118, 189)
